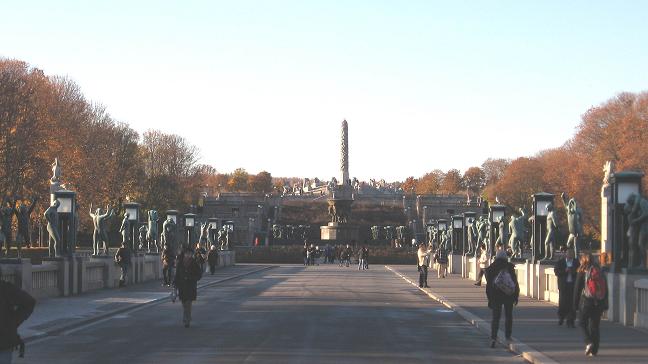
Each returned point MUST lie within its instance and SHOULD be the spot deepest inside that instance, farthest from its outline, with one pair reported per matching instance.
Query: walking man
(188, 273)
(441, 258)
(423, 260)
(362, 258)
(566, 270)
(168, 262)
(123, 260)
(212, 259)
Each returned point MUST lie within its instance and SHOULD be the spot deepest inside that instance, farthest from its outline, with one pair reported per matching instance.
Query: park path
(535, 323)
(287, 314)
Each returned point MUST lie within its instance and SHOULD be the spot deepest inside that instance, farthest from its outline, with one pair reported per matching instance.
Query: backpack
(595, 286)
(504, 282)
(192, 270)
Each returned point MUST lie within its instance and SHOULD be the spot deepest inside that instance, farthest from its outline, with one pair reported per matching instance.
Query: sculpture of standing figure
(517, 229)
(56, 171)
(574, 222)
(472, 236)
(502, 237)
(168, 233)
(54, 241)
(636, 208)
(152, 231)
(375, 232)
(100, 235)
(6, 215)
(204, 234)
(482, 230)
(552, 227)
(276, 231)
(143, 231)
(124, 229)
(23, 213)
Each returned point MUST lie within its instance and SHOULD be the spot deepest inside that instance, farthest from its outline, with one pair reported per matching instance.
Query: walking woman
(502, 289)
(188, 273)
(591, 300)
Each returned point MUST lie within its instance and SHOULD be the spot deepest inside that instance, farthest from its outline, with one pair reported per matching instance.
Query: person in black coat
(590, 309)
(566, 271)
(16, 306)
(498, 299)
(188, 272)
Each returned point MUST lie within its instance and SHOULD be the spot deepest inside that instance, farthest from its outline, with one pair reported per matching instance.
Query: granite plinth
(341, 233)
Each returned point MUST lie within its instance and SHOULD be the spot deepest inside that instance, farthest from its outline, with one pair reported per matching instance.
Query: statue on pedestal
(100, 235)
(152, 231)
(6, 215)
(204, 234)
(574, 222)
(482, 229)
(550, 240)
(636, 208)
(143, 232)
(56, 172)
(517, 229)
(23, 214)
(375, 232)
(502, 237)
(472, 236)
(276, 231)
(54, 241)
(168, 233)
(124, 229)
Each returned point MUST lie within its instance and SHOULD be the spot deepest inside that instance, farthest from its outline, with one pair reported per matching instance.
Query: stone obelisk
(344, 155)
(340, 200)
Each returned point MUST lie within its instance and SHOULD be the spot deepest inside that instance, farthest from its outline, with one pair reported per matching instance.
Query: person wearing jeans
(590, 307)
(498, 298)
(423, 259)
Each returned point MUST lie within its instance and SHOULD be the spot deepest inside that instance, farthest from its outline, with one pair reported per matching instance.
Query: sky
(264, 85)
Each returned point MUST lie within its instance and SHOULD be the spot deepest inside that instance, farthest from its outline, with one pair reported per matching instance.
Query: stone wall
(76, 275)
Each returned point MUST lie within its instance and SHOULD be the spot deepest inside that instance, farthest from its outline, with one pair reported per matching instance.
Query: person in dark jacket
(16, 306)
(123, 260)
(168, 264)
(566, 271)
(212, 259)
(498, 298)
(188, 273)
(590, 309)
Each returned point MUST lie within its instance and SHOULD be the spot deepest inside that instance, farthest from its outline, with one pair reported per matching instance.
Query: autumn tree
(430, 183)
(451, 183)
(474, 180)
(239, 180)
(261, 182)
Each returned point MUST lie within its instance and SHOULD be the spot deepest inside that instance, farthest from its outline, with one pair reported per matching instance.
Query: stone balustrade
(58, 277)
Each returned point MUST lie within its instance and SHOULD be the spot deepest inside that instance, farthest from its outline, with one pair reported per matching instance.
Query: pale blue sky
(265, 84)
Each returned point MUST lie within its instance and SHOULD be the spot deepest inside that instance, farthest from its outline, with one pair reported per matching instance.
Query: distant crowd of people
(342, 254)
(582, 289)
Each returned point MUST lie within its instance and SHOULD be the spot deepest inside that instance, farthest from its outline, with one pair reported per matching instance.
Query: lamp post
(541, 201)
(624, 184)
(457, 233)
(496, 213)
(133, 209)
(67, 212)
(190, 223)
(468, 218)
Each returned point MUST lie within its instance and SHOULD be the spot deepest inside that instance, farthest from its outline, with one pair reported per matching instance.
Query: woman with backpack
(188, 273)
(502, 289)
(590, 300)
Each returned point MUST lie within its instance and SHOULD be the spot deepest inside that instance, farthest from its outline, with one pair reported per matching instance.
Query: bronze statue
(100, 235)
(56, 171)
(152, 231)
(502, 237)
(143, 231)
(168, 233)
(472, 236)
(636, 208)
(574, 222)
(125, 229)
(51, 216)
(23, 213)
(517, 229)
(6, 215)
(552, 227)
